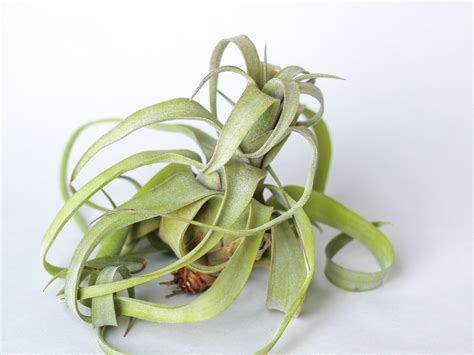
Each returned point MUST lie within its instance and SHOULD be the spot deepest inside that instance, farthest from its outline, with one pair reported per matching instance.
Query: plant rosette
(208, 210)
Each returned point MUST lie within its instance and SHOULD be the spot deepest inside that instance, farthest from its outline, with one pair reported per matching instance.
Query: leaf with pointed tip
(288, 73)
(314, 76)
(220, 70)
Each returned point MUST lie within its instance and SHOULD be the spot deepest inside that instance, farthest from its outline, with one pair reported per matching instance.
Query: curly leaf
(83, 195)
(251, 58)
(176, 109)
(166, 197)
(288, 73)
(325, 150)
(315, 92)
(323, 209)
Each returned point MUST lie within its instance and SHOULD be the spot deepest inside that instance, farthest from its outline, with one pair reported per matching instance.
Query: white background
(401, 128)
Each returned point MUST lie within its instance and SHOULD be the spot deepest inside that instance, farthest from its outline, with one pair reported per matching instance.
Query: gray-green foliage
(219, 199)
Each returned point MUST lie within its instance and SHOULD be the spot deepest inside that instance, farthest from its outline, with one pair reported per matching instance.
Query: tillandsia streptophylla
(212, 214)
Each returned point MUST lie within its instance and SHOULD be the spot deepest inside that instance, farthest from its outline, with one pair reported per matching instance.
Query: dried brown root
(189, 282)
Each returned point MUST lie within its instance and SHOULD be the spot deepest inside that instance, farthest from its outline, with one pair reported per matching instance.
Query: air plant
(212, 215)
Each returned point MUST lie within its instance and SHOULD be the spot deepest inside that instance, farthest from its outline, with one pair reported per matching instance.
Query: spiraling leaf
(347, 279)
(323, 209)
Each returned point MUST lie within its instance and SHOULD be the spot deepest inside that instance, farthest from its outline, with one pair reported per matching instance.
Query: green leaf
(222, 292)
(63, 178)
(347, 279)
(238, 194)
(314, 91)
(227, 98)
(241, 181)
(305, 133)
(133, 263)
(251, 58)
(107, 348)
(173, 231)
(168, 172)
(265, 64)
(113, 244)
(169, 196)
(325, 150)
(288, 73)
(314, 76)
(248, 109)
(142, 229)
(103, 308)
(176, 109)
(88, 190)
(224, 69)
(202, 139)
(287, 268)
(305, 233)
(289, 92)
(323, 209)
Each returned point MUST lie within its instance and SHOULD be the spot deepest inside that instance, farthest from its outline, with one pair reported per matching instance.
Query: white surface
(401, 127)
